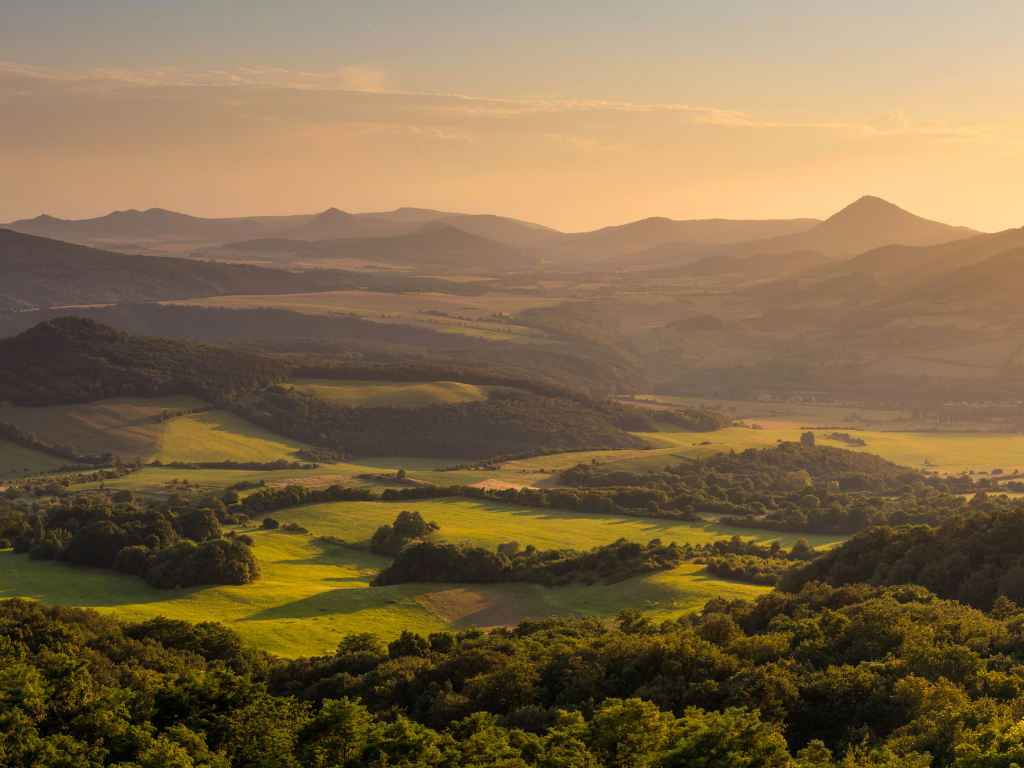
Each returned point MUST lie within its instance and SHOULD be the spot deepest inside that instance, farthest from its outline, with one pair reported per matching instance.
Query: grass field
(313, 592)
(14, 460)
(488, 524)
(221, 436)
(373, 394)
(126, 426)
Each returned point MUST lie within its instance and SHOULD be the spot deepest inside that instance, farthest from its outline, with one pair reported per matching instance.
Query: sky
(575, 115)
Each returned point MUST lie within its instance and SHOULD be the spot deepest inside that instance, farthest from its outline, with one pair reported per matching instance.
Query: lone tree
(807, 438)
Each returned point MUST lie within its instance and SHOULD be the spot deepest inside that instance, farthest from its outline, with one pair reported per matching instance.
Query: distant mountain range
(426, 238)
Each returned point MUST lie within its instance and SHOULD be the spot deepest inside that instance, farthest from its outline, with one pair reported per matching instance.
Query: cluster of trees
(15, 434)
(57, 485)
(694, 420)
(976, 559)
(408, 527)
(463, 563)
(76, 360)
(179, 546)
(508, 421)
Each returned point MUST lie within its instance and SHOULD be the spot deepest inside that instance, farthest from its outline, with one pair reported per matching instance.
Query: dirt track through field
(488, 606)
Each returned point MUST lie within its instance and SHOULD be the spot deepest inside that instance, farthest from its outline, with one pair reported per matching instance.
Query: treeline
(169, 548)
(57, 485)
(975, 559)
(508, 421)
(254, 466)
(75, 360)
(797, 488)
(694, 420)
(442, 562)
(16, 435)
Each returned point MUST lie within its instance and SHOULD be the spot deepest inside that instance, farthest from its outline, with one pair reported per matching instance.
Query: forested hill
(39, 272)
(974, 559)
(76, 360)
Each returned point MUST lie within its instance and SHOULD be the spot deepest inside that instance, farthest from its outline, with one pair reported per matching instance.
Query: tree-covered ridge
(974, 558)
(508, 421)
(74, 360)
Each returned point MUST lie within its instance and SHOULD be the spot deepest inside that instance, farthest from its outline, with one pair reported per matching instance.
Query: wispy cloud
(366, 78)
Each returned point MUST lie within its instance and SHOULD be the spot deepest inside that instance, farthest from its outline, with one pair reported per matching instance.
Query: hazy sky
(572, 114)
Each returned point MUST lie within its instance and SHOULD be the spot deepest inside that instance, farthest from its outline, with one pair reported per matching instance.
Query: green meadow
(489, 523)
(312, 592)
(15, 460)
(220, 436)
(374, 394)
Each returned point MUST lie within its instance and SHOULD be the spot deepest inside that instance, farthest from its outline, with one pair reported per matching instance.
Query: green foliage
(408, 526)
(442, 562)
(174, 547)
(974, 559)
(694, 420)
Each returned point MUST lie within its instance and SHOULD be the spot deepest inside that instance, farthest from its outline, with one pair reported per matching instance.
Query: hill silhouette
(868, 223)
(334, 224)
(435, 245)
(40, 272)
(153, 223)
(637, 236)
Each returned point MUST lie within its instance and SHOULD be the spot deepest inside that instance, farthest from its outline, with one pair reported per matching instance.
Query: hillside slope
(75, 360)
(39, 272)
(435, 245)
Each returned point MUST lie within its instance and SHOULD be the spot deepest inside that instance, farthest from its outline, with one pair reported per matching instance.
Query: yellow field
(221, 436)
(373, 394)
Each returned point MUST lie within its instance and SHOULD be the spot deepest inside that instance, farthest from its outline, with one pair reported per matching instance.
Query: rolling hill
(40, 272)
(435, 245)
(334, 224)
(638, 236)
(908, 264)
(76, 360)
